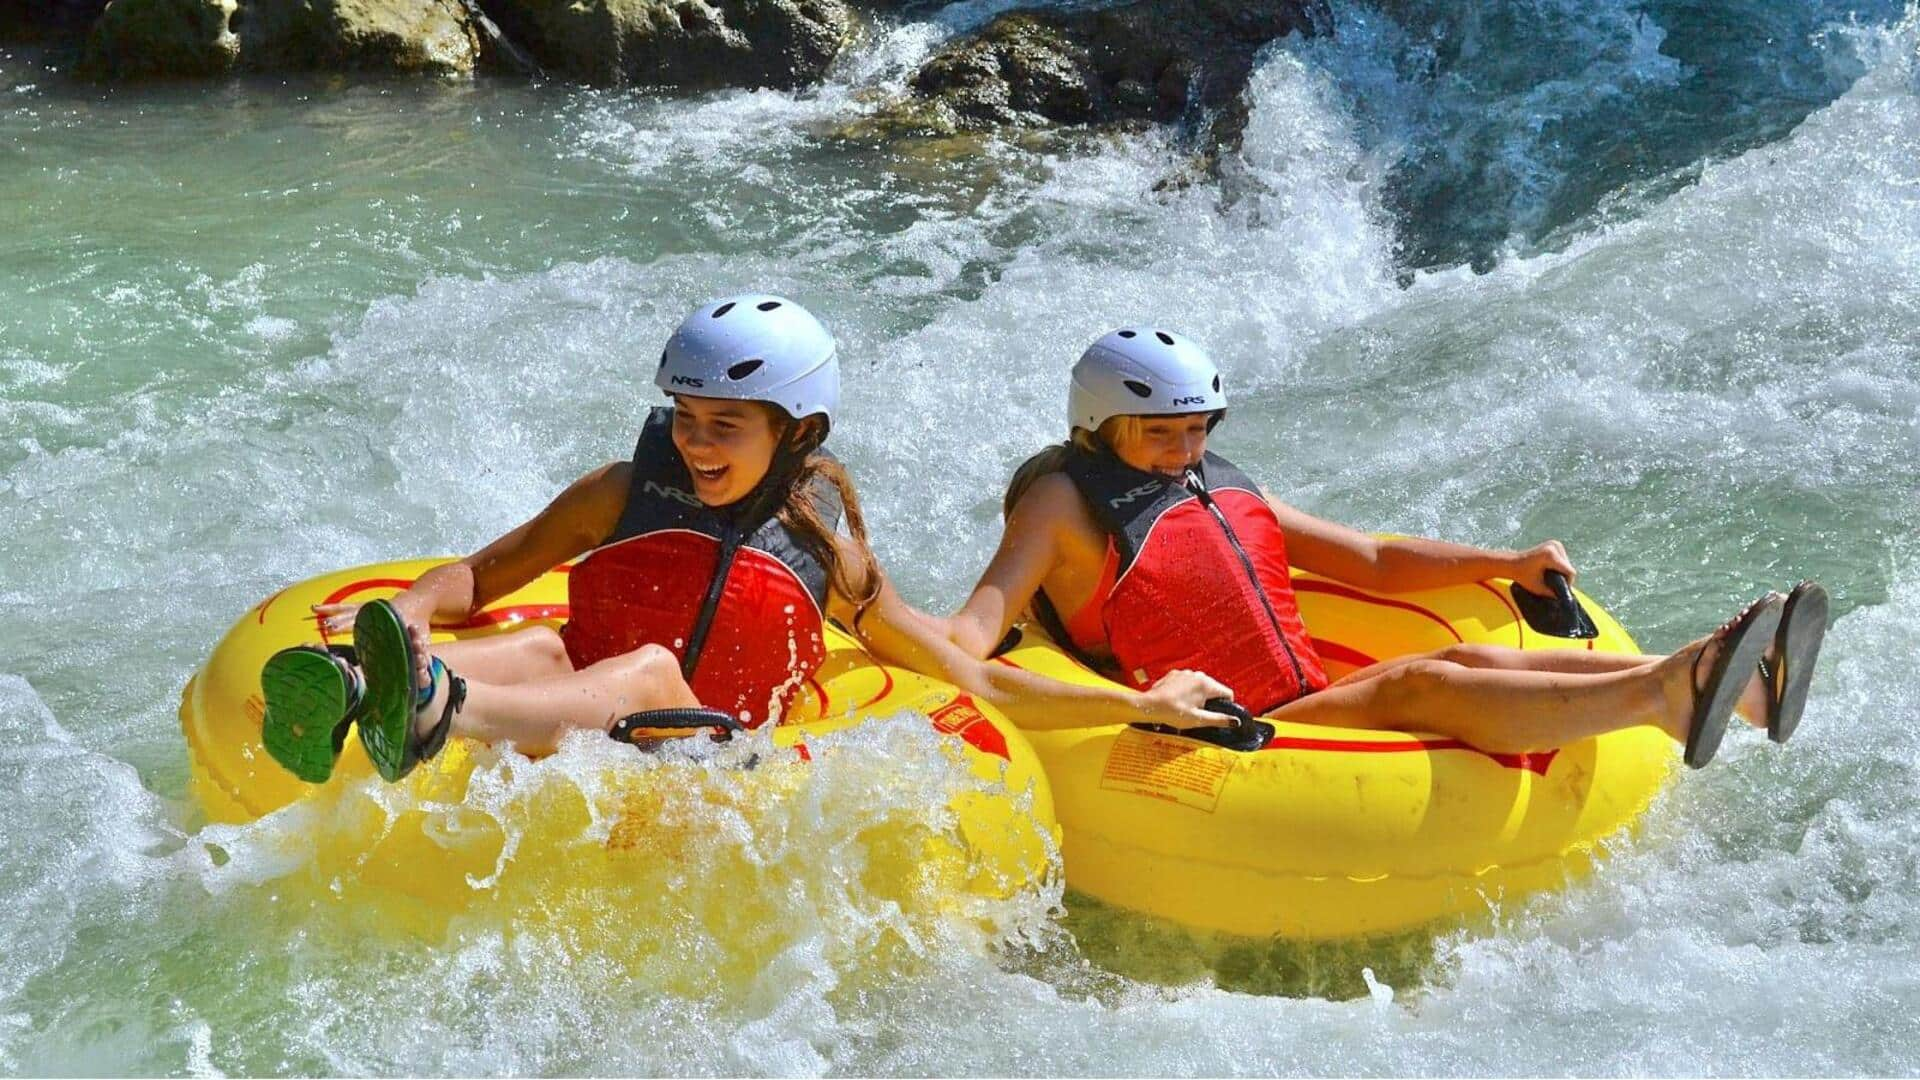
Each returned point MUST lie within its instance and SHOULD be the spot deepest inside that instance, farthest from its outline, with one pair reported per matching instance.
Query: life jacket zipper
(1199, 489)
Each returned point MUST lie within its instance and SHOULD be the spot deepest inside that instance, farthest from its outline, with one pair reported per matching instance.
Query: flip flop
(387, 727)
(1796, 646)
(312, 697)
(1742, 640)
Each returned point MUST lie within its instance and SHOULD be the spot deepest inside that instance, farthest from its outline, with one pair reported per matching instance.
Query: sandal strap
(428, 747)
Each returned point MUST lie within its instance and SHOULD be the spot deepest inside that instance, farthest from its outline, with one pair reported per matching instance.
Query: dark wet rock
(136, 39)
(691, 44)
(1149, 60)
(1022, 69)
(46, 20)
(429, 36)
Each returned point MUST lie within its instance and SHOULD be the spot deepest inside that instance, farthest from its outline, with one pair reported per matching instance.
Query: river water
(1641, 276)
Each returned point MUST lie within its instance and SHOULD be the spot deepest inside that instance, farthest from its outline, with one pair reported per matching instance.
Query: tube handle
(626, 728)
(1561, 615)
(1247, 734)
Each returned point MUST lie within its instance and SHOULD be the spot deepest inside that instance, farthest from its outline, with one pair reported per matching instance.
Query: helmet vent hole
(1165, 338)
(663, 358)
(768, 305)
(1216, 384)
(1128, 334)
(1139, 388)
(723, 309)
(743, 369)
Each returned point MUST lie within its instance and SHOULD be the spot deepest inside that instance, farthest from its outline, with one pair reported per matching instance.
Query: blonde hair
(1053, 459)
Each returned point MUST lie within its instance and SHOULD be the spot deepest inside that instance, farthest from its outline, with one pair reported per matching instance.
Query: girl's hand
(335, 618)
(1530, 567)
(338, 619)
(1179, 699)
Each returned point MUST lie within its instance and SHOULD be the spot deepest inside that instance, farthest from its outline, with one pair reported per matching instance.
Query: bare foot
(426, 715)
(1754, 700)
(1683, 676)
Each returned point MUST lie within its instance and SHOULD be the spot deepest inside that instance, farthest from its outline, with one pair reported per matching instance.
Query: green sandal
(313, 696)
(393, 703)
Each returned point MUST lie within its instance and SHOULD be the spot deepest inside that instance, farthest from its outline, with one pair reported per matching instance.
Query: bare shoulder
(598, 487)
(616, 475)
(1052, 507)
(1051, 500)
(591, 506)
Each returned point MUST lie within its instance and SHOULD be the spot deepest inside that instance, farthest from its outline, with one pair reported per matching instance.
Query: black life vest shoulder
(1125, 501)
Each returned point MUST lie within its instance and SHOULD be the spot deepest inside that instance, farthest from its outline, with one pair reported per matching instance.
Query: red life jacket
(1202, 581)
(672, 558)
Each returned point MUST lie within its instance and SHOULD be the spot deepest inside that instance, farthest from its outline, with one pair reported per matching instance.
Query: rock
(46, 20)
(138, 39)
(1023, 69)
(426, 36)
(691, 44)
(1148, 60)
(166, 38)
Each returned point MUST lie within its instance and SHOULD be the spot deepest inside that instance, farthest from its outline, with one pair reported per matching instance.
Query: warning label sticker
(971, 724)
(1168, 768)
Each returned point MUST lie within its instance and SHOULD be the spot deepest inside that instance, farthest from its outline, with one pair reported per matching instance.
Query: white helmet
(1141, 371)
(754, 347)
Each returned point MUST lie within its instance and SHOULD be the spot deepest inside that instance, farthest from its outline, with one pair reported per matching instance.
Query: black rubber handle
(1559, 616)
(686, 719)
(1245, 736)
(1229, 707)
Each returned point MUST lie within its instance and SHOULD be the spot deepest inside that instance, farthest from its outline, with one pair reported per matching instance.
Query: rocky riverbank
(1139, 61)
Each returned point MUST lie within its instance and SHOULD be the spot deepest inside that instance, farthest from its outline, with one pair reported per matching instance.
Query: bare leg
(1752, 704)
(535, 715)
(1500, 657)
(1509, 710)
(528, 655)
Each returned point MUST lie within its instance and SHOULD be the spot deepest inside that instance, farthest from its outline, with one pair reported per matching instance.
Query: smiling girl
(1143, 553)
(712, 561)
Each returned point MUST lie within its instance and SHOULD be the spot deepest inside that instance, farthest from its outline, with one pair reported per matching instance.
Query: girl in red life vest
(1152, 558)
(711, 562)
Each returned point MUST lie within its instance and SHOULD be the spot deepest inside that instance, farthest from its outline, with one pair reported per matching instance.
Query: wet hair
(800, 512)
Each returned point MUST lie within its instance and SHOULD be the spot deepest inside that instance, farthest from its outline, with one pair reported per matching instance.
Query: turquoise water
(250, 333)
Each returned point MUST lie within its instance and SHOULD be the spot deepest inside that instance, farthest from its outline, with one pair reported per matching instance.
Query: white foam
(1709, 389)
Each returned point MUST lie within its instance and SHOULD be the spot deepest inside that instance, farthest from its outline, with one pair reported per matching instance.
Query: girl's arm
(1408, 564)
(897, 634)
(1028, 547)
(576, 520)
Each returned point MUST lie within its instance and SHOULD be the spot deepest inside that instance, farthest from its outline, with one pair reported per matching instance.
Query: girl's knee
(1406, 687)
(649, 661)
(550, 647)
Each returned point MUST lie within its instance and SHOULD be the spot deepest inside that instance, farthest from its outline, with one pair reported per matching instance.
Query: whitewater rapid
(1649, 284)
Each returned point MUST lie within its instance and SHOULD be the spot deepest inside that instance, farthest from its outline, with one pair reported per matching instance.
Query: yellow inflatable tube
(1334, 833)
(1004, 840)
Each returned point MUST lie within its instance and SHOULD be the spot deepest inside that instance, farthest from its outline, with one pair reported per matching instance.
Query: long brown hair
(799, 512)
